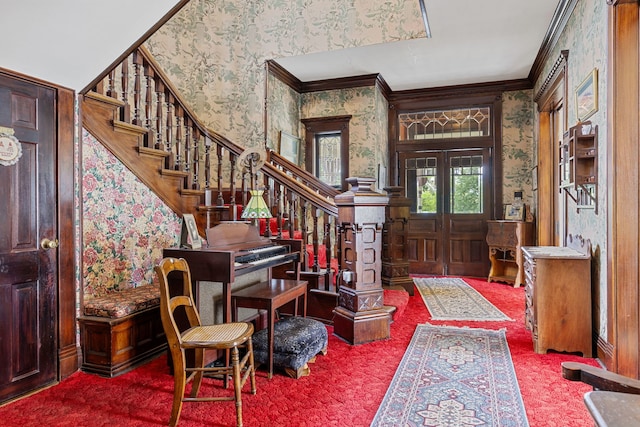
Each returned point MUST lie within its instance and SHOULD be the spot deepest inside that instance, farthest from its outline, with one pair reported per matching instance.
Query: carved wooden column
(360, 316)
(395, 263)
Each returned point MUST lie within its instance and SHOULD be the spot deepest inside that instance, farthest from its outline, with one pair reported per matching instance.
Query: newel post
(361, 316)
(395, 236)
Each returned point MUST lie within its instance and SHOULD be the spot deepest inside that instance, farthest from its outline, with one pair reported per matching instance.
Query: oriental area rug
(452, 376)
(451, 298)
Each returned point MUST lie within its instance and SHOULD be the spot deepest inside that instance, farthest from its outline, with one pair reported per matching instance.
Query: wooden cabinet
(505, 238)
(558, 298)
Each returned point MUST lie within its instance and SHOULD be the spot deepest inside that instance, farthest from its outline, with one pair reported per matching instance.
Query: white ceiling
(70, 42)
(473, 41)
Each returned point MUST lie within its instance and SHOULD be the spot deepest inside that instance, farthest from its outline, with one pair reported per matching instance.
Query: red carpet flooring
(344, 389)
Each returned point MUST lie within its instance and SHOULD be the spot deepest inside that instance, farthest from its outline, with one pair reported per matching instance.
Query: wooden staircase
(143, 121)
(124, 141)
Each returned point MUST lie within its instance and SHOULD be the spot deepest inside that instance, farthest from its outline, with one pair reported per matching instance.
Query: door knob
(49, 244)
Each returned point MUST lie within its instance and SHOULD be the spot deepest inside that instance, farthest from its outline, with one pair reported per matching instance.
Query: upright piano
(236, 249)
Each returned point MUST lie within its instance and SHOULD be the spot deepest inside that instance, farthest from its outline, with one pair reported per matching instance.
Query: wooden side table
(270, 296)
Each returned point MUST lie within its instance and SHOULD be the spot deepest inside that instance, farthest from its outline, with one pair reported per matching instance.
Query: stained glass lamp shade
(257, 208)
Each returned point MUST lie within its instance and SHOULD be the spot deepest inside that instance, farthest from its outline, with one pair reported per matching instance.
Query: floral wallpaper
(517, 145)
(367, 129)
(585, 37)
(214, 51)
(125, 226)
(283, 112)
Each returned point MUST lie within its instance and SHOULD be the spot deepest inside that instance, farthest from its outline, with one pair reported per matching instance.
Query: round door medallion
(10, 149)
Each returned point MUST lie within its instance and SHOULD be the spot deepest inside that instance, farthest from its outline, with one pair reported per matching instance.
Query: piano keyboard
(253, 255)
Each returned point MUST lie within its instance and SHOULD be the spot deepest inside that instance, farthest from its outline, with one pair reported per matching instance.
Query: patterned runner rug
(453, 376)
(451, 298)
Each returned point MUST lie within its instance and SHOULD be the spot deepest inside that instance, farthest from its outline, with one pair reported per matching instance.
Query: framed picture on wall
(289, 147)
(587, 96)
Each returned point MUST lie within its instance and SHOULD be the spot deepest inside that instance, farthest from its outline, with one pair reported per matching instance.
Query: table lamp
(257, 207)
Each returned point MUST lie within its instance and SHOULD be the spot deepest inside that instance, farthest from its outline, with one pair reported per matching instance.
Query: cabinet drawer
(502, 234)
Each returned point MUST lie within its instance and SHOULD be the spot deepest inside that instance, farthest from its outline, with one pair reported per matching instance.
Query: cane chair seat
(186, 332)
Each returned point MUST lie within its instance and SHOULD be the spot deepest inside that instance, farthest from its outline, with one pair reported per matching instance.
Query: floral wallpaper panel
(125, 226)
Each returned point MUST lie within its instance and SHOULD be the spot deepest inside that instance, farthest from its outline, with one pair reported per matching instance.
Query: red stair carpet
(344, 389)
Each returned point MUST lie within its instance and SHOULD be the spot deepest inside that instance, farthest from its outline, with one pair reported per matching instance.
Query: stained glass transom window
(443, 124)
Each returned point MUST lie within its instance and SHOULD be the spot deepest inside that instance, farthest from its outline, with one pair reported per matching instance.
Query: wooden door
(450, 194)
(28, 272)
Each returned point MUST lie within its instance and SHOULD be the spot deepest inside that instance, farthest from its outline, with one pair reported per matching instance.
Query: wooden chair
(186, 332)
(615, 401)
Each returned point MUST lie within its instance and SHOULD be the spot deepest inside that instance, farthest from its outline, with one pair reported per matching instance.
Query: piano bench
(121, 330)
(296, 343)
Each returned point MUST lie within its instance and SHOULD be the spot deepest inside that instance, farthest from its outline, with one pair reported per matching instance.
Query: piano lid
(228, 234)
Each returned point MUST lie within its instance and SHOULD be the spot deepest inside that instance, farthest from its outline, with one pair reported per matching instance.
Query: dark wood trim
(316, 125)
(558, 23)
(279, 72)
(175, 9)
(68, 348)
(560, 66)
(283, 75)
(375, 80)
(623, 187)
(447, 92)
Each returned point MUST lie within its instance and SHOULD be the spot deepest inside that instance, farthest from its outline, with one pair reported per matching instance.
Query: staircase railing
(149, 102)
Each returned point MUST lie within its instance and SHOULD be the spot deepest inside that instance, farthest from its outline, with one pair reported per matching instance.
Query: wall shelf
(579, 165)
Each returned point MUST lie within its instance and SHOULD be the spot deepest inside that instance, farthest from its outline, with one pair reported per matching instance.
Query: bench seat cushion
(123, 303)
(296, 340)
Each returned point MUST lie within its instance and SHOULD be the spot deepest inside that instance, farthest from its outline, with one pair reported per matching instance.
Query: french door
(450, 204)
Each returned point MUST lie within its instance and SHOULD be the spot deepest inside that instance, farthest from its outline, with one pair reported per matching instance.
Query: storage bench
(121, 330)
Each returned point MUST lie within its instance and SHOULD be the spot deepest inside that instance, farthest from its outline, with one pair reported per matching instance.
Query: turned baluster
(207, 162)
(111, 92)
(179, 112)
(279, 209)
(125, 110)
(316, 244)
(232, 183)
(170, 159)
(188, 151)
(196, 159)
(148, 105)
(269, 201)
(159, 113)
(137, 88)
(304, 211)
(220, 199)
(291, 202)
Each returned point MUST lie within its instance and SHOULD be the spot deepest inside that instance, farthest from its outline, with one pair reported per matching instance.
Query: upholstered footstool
(296, 342)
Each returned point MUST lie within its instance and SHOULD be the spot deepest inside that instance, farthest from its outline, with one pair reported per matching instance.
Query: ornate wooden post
(361, 316)
(395, 263)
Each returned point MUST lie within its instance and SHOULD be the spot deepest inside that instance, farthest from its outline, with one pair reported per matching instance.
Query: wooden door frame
(621, 351)
(552, 91)
(67, 345)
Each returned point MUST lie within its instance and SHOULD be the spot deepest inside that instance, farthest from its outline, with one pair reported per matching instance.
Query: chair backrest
(176, 294)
